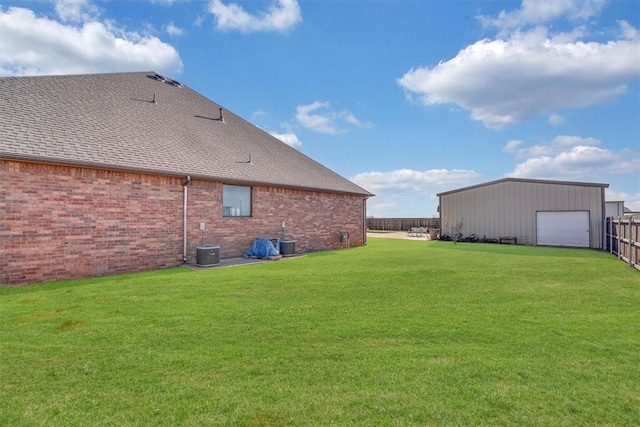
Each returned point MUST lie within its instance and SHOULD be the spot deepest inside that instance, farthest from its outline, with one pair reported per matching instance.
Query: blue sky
(407, 98)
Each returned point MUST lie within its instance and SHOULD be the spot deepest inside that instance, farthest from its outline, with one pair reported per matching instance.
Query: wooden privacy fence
(622, 235)
(402, 224)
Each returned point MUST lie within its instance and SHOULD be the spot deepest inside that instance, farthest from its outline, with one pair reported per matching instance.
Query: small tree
(456, 231)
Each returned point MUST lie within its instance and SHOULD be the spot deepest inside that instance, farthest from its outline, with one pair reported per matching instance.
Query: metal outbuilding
(528, 211)
(614, 208)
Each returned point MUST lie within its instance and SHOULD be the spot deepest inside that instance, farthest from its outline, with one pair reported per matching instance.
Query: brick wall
(59, 222)
(313, 219)
(65, 222)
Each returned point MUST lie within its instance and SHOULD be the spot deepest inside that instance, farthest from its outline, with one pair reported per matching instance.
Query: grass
(396, 333)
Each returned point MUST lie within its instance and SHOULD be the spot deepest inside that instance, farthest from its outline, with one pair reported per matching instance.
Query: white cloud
(534, 12)
(199, 20)
(556, 119)
(174, 30)
(398, 189)
(628, 32)
(556, 146)
(259, 113)
(36, 45)
(572, 158)
(281, 15)
(352, 120)
(387, 209)
(502, 82)
(76, 10)
(572, 141)
(512, 145)
(412, 182)
(318, 117)
(317, 122)
(291, 139)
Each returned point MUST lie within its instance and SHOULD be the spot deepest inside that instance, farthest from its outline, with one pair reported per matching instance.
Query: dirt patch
(397, 235)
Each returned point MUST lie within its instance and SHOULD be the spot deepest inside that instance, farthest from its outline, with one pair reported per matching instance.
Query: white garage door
(563, 228)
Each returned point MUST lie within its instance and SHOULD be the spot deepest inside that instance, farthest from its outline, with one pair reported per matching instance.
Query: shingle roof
(110, 120)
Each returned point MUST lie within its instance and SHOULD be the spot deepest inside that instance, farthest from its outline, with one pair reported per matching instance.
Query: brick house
(115, 173)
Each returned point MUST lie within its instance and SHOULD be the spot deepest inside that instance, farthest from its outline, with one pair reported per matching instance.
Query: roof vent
(248, 162)
(172, 82)
(157, 77)
(166, 80)
(221, 115)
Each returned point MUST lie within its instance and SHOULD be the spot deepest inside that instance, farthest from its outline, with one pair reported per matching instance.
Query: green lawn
(396, 333)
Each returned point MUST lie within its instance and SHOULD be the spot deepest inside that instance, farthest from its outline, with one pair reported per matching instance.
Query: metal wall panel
(614, 209)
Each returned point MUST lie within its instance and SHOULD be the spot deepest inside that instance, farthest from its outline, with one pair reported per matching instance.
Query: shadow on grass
(520, 250)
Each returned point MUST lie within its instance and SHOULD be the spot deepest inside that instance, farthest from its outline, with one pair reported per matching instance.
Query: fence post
(619, 232)
(604, 234)
(630, 247)
(610, 219)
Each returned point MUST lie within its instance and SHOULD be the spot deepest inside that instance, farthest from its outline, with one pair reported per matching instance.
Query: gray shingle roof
(109, 120)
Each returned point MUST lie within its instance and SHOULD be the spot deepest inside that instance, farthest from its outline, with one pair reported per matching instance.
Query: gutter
(150, 171)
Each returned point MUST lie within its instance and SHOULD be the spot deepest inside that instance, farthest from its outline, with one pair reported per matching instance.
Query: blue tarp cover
(262, 248)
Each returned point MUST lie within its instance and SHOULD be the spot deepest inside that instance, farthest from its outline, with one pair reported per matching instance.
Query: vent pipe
(222, 115)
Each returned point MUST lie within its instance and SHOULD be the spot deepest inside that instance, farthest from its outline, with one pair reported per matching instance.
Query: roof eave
(105, 166)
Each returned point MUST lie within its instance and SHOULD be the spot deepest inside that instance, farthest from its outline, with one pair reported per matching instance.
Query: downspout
(364, 220)
(184, 219)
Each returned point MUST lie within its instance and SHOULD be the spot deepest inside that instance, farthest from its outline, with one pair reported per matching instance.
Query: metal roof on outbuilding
(149, 123)
(532, 181)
